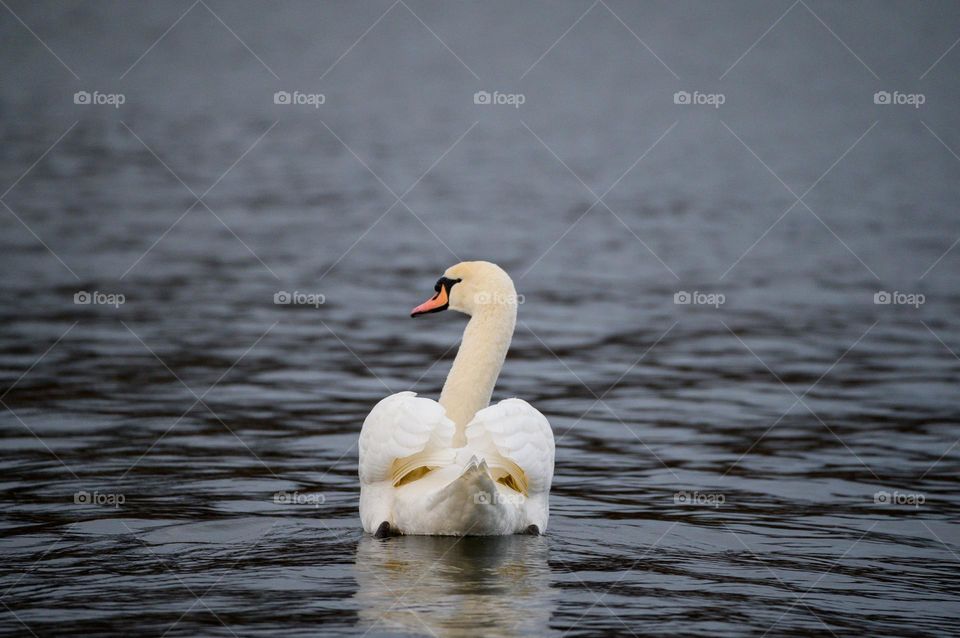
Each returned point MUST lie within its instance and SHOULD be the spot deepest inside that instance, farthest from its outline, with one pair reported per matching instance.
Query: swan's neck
(469, 385)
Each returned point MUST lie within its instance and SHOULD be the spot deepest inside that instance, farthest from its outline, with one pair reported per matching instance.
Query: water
(718, 467)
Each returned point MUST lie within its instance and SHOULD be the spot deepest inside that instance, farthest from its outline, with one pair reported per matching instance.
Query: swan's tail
(474, 485)
(472, 503)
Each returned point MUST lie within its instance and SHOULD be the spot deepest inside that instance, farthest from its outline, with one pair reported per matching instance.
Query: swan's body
(460, 466)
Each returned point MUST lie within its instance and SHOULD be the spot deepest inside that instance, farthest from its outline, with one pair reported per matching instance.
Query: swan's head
(471, 287)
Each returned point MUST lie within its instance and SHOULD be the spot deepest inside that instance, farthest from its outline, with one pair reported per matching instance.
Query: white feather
(515, 430)
(401, 425)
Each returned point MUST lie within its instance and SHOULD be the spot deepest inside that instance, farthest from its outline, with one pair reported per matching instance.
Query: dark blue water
(778, 457)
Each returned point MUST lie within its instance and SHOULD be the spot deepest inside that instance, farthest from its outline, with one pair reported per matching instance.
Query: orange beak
(435, 304)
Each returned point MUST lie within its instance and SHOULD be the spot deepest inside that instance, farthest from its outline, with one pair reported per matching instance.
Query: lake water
(778, 457)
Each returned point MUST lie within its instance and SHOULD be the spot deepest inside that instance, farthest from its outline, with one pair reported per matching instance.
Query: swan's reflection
(491, 586)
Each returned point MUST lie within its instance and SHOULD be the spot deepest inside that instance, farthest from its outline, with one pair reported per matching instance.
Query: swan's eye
(437, 287)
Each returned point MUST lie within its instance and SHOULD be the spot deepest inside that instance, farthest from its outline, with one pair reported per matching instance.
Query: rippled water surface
(783, 462)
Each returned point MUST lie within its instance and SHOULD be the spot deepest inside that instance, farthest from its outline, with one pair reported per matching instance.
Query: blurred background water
(783, 462)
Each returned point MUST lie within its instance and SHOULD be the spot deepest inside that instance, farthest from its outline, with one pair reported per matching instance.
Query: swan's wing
(405, 428)
(513, 434)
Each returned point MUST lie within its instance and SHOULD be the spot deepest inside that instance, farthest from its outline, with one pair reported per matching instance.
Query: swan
(460, 467)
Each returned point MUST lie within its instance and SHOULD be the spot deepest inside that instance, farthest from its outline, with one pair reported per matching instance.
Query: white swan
(459, 467)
